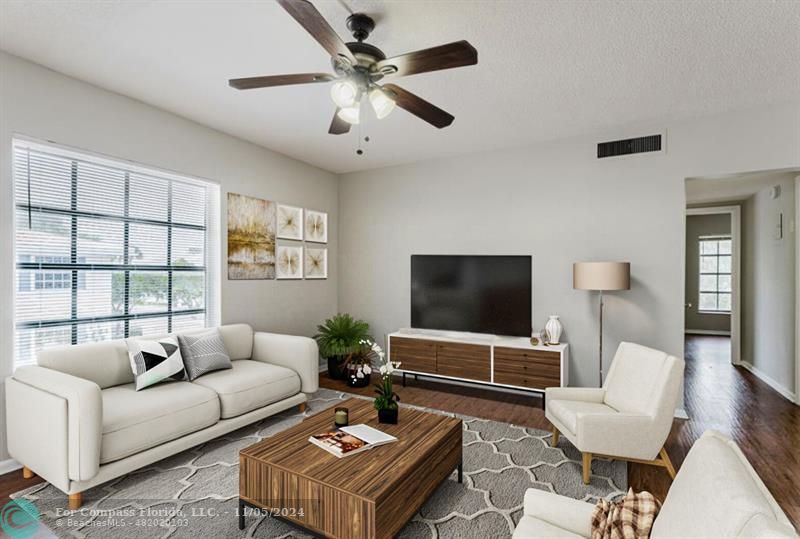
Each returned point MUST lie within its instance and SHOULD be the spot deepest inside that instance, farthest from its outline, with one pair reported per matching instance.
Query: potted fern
(387, 401)
(338, 339)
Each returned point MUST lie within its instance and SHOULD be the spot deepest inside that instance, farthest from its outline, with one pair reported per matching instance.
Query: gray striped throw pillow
(203, 353)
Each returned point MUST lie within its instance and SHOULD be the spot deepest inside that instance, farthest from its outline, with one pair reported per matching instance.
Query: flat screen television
(478, 294)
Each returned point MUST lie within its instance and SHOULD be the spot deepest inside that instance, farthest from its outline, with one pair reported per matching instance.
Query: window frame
(77, 266)
(700, 273)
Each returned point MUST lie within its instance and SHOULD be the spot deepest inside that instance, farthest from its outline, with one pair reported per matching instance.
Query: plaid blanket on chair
(629, 518)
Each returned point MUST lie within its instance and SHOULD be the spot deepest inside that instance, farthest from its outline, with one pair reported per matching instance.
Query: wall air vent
(628, 146)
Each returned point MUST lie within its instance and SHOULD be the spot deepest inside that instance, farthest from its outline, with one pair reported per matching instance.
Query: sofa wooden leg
(587, 467)
(301, 407)
(75, 500)
(27, 473)
(554, 439)
(667, 463)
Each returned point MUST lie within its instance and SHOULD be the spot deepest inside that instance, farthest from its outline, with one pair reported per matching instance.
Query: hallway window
(715, 274)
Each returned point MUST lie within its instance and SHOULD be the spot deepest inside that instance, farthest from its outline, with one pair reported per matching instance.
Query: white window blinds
(107, 249)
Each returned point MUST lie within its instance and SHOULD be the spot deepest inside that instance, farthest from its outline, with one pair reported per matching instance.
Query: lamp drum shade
(601, 275)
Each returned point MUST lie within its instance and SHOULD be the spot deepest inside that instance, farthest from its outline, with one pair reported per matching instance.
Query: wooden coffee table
(372, 494)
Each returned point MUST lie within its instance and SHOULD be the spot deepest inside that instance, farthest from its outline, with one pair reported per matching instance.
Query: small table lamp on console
(601, 276)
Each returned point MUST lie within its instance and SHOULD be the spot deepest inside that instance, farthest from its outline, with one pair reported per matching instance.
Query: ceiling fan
(359, 67)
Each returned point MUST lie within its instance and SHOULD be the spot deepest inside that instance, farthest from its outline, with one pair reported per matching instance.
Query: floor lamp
(601, 276)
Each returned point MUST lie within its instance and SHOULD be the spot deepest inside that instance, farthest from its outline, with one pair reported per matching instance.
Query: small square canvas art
(316, 226)
(290, 222)
(316, 263)
(251, 238)
(289, 262)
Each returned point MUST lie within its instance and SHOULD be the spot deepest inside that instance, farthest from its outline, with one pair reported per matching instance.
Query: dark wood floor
(718, 396)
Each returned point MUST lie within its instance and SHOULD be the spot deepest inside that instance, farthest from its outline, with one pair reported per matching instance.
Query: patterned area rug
(194, 494)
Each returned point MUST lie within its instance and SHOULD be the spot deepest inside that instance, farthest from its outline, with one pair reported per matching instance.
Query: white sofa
(629, 417)
(716, 494)
(76, 420)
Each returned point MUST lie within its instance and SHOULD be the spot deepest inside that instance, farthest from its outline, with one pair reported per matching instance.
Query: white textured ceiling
(546, 70)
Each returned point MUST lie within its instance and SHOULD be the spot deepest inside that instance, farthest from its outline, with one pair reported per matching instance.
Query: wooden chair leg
(587, 467)
(301, 407)
(27, 473)
(667, 462)
(75, 501)
(554, 439)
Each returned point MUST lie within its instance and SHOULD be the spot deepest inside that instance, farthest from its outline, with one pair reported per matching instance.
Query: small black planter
(388, 415)
(335, 370)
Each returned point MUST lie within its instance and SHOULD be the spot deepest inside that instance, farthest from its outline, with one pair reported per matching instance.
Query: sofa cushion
(134, 421)
(204, 353)
(532, 527)
(568, 411)
(718, 494)
(250, 385)
(155, 361)
(106, 363)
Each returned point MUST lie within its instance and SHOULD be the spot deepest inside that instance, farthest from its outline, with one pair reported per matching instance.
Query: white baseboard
(769, 381)
(9, 465)
(680, 413)
(707, 332)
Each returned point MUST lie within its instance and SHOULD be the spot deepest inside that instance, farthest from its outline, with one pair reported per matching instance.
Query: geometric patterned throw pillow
(203, 353)
(155, 361)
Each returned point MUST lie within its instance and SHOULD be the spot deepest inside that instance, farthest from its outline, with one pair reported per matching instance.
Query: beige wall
(697, 226)
(46, 105)
(560, 204)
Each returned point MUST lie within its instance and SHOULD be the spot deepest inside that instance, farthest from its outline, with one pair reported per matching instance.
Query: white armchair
(629, 418)
(716, 494)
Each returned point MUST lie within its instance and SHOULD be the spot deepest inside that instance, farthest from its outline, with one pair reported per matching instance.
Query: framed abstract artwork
(289, 264)
(316, 225)
(316, 263)
(251, 238)
(290, 222)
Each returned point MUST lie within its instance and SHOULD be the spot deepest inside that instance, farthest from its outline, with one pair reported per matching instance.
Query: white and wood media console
(508, 362)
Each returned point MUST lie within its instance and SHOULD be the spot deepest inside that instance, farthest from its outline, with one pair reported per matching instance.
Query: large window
(107, 250)
(715, 274)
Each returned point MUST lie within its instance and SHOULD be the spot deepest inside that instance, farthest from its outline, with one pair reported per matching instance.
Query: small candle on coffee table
(340, 417)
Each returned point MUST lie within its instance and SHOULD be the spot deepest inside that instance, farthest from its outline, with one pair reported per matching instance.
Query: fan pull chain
(359, 150)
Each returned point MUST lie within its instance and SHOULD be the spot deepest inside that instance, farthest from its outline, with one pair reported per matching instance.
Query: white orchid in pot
(358, 365)
(387, 400)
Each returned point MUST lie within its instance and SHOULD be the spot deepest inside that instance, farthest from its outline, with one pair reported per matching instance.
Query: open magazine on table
(351, 440)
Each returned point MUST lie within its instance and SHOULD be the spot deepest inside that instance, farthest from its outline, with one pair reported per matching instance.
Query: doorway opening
(742, 276)
(713, 276)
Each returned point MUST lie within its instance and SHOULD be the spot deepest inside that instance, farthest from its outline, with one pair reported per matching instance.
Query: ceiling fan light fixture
(344, 93)
(350, 114)
(381, 103)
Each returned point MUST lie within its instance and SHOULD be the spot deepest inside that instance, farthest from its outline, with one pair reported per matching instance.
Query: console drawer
(468, 361)
(414, 354)
(536, 369)
(527, 356)
(529, 380)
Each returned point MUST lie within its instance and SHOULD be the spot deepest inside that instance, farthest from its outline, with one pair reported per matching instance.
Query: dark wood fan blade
(279, 80)
(456, 54)
(338, 126)
(315, 24)
(419, 107)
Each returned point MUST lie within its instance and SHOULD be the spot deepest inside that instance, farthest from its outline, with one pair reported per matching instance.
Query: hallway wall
(768, 284)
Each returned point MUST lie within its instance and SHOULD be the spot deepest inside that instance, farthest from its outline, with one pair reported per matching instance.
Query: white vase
(553, 329)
